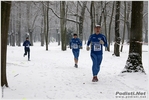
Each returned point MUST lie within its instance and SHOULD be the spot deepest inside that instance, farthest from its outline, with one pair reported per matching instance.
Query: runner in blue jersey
(75, 45)
(27, 45)
(97, 41)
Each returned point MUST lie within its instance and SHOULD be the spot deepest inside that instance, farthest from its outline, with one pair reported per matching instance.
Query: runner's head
(27, 38)
(97, 29)
(75, 35)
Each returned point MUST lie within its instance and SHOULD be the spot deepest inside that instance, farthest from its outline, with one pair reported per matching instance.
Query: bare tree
(110, 24)
(92, 16)
(42, 33)
(11, 33)
(65, 19)
(5, 13)
(13, 24)
(13, 30)
(117, 26)
(127, 19)
(77, 12)
(45, 20)
(81, 20)
(124, 26)
(145, 22)
(146, 31)
(47, 29)
(63, 24)
(100, 12)
(102, 9)
(31, 19)
(57, 25)
(105, 21)
(18, 23)
(134, 61)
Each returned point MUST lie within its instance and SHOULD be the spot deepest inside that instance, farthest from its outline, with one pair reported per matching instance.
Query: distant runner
(75, 45)
(27, 45)
(97, 40)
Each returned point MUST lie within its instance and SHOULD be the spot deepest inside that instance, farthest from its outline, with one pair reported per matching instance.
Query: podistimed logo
(131, 94)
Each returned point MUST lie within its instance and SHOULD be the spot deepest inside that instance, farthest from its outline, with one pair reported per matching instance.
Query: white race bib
(74, 46)
(28, 46)
(97, 47)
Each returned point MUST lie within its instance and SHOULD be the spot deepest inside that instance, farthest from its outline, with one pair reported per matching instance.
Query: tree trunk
(9, 38)
(42, 39)
(109, 36)
(127, 22)
(81, 19)
(5, 13)
(134, 61)
(13, 38)
(97, 13)
(47, 22)
(77, 26)
(45, 14)
(146, 31)
(19, 26)
(117, 34)
(63, 25)
(42, 33)
(105, 24)
(44, 21)
(45, 25)
(58, 37)
(124, 26)
(146, 36)
(100, 20)
(31, 36)
(12, 30)
(30, 29)
(92, 17)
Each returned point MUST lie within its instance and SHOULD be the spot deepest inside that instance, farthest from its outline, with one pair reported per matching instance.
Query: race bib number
(27, 46)
(75, 46)
(97, 47)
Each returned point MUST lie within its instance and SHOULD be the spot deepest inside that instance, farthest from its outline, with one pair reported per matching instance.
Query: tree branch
(145, 14)
(59, 16)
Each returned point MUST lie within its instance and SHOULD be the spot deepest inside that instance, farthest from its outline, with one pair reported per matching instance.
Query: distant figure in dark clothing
(27, 45)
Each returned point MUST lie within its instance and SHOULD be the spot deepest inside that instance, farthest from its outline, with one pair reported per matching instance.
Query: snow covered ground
(51, 75)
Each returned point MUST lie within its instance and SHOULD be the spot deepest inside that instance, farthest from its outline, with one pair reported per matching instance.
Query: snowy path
(51, 75)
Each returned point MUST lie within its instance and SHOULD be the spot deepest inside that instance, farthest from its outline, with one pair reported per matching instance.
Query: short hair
(27, 37)
(74, 34)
